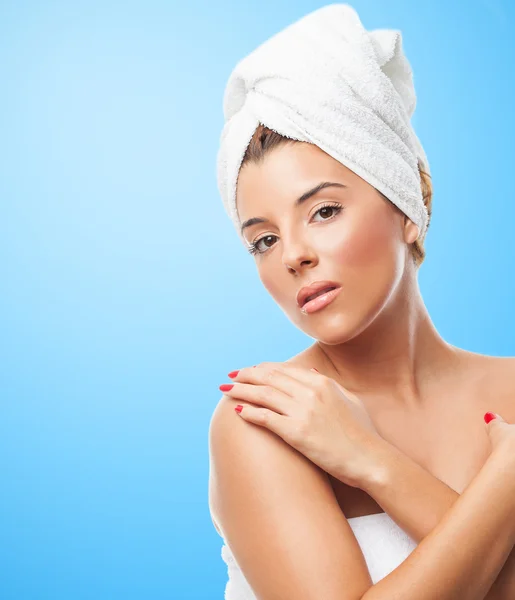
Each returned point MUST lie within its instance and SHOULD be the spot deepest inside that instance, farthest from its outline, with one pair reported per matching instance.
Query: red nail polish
(233, 374)
(489, 416)
(238, 408)
(225, 387)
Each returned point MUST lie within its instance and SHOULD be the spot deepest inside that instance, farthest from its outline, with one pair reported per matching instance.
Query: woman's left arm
(417, 501)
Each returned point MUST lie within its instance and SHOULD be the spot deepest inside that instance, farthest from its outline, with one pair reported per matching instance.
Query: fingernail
(488, 417)
(238, 408)
(225, 387)
(233, 374)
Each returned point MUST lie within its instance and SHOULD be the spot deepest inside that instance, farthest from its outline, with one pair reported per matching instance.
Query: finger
(271, 376)
(262, 395)
(286, 378)
(307, 376)
(264, 418)
(303, 374)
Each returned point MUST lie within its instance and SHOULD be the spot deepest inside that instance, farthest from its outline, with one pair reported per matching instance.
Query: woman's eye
(327, 208)
(253, 248)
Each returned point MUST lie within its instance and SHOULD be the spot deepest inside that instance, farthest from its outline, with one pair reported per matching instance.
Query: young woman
(374, 476)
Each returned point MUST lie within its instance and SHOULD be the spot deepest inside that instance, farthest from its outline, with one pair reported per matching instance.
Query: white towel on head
(328, 81)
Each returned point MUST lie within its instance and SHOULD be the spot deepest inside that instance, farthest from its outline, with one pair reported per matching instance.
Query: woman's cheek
(365, 247)
(366, 266)
(272, 285)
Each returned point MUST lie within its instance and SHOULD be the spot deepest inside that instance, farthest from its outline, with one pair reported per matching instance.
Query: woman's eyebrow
(305, 196)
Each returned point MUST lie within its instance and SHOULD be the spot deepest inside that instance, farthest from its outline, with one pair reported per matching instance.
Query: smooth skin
(284, 518)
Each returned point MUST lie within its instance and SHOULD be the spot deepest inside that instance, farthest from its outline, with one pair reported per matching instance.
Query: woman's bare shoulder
(494, 379)
(276, 510)
(501, 376)
(494, 370)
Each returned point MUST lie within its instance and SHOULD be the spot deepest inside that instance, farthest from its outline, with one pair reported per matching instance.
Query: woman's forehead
(288, 172)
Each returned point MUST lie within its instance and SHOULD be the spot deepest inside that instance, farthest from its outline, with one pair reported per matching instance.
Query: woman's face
(359, 239)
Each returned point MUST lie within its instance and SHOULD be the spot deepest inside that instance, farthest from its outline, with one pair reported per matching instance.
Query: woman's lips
(320, 301)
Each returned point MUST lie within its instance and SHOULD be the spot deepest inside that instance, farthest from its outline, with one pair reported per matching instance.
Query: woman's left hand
(313, 414)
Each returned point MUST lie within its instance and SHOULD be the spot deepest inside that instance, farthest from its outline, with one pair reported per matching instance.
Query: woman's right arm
(279, 515)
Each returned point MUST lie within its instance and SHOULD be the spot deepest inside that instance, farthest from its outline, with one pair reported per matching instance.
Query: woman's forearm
(425, 507)
(416, 500)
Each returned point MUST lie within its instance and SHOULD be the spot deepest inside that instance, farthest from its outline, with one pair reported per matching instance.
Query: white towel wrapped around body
(328, 81)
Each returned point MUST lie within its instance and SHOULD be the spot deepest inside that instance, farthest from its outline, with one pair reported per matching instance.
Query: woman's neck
(400, 357)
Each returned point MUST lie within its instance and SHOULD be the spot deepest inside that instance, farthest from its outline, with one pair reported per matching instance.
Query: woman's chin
(333, 330)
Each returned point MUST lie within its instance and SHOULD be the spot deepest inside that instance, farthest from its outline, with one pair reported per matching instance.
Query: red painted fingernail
(225, 387)
(489, 416)
(238, 408)
(233, 374)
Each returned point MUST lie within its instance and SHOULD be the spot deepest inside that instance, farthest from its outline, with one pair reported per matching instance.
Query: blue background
(126, 296)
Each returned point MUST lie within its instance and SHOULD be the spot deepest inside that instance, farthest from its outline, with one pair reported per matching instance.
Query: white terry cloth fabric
(328, 81)
(383, 543)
